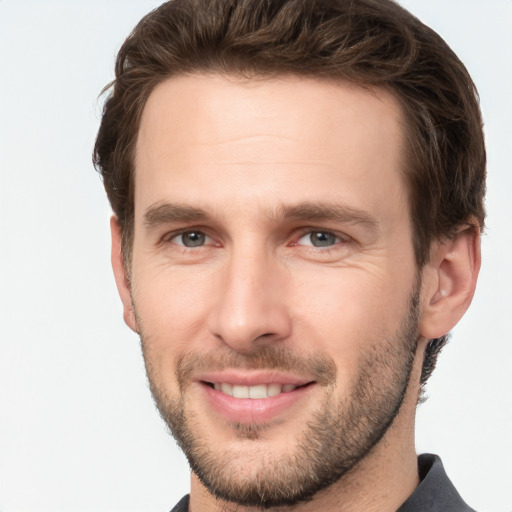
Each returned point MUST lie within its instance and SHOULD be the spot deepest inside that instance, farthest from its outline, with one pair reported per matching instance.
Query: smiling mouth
(260, 391)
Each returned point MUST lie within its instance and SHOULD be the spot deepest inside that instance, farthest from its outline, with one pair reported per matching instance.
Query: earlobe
(449, 281)
(122, 281)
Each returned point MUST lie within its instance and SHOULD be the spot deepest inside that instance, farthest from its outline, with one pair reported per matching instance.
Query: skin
(244, 154)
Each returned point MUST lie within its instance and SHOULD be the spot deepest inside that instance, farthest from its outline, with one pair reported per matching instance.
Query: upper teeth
(260, 391)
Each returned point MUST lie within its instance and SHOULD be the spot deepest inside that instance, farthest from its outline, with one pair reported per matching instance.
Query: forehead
(256, 138)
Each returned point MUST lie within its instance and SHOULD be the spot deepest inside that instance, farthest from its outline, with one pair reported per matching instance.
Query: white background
(78, 430)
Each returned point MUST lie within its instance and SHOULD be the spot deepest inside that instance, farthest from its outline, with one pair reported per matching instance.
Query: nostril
(266, 335)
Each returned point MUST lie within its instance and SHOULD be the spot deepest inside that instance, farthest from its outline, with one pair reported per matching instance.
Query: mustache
(266, 357)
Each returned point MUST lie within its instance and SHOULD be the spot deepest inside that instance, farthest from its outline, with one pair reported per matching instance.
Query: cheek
(348, 313)
(172, 308)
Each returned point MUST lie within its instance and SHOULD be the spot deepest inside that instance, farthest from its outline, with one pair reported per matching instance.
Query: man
(297, 190)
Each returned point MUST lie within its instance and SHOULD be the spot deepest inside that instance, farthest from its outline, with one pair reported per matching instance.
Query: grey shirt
(434, 494)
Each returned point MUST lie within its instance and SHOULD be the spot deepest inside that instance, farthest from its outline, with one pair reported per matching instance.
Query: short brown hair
(374, 43)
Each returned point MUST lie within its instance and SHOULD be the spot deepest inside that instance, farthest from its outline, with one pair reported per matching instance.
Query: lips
(253, 398)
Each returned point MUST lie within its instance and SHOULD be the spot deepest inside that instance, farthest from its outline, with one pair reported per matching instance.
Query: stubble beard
(339, 434)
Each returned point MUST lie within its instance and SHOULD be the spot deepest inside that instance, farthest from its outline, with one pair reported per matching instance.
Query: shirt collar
(435, 493)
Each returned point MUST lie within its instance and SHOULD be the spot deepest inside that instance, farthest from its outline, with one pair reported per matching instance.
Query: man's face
(273, 277)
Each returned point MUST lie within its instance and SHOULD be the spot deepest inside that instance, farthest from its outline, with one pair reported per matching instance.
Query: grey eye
(190, 239)
(319, 239)
(322, 239)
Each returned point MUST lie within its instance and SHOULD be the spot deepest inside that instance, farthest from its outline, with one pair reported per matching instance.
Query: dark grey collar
(435, 493)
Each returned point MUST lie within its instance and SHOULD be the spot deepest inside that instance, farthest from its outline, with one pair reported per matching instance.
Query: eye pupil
(193, 239)
(322, 239)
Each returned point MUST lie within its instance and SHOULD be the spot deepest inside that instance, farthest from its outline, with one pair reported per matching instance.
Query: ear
(449, 281)
(122, 281)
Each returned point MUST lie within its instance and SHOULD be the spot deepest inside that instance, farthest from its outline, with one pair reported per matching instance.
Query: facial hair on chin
(339, 434)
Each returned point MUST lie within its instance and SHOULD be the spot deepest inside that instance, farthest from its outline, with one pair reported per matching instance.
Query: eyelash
(339, 239)
(168, 239)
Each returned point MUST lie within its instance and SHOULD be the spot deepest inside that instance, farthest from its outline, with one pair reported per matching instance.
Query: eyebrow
(330, 211)
(166, 213)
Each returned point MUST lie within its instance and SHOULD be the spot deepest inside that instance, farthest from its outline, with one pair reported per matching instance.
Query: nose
(251, 308)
